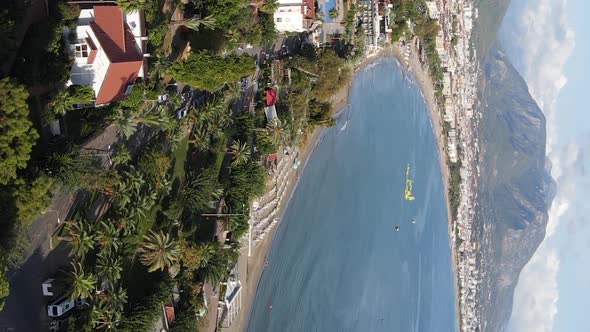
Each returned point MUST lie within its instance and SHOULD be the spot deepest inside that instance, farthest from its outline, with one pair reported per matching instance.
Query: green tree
(193, 256)
(32, 199)
(65, 99)
(333, 74)
(240, 152)
(104, 317)
(232, 92)
(108, 237)
(159, 251)
(131, 5)
(155, 164)
(116, 298)
(121, 155)
(200, 190)
(333, 13)
(4, 284)
(208, 71)
(199, 137)
(83, 283)
(270, 6)
(276, 132)
(17, 136)
(218, 267)
(108, 267)
(79, 237)
(73, 170)
(196, 23)
(68, 12)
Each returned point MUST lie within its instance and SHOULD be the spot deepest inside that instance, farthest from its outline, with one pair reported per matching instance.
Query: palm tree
(131, 5)
(200, 190)
(196, 23)
(199, 137)
(270, 6)
(117, 298)
(232, 36)
(104, 318)
(218, 266)
(157, 117)
(109, 268)
(60, 103)
(277, 133)
(123, 120)
(240, 152)
(121, 155)
(159, 251)
(233, 92)
(129, 188)
(78, 235)
(108, 237)
(83, 284)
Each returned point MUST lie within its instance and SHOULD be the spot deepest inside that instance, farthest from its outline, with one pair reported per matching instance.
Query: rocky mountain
(515, 189)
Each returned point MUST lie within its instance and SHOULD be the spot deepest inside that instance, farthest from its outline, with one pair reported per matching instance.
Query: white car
(181, 113)
(60, 306)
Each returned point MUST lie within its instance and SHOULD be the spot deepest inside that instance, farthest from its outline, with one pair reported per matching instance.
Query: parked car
(60, 306)
(181, 113)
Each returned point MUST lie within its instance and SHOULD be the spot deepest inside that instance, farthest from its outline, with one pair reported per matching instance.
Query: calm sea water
(336, 262)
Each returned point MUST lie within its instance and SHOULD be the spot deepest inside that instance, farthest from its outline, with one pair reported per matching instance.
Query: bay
(336, 262)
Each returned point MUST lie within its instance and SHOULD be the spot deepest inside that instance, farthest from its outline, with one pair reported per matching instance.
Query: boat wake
(343, 128)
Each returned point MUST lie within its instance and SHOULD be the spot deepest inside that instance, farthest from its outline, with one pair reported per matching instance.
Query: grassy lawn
(180, 155)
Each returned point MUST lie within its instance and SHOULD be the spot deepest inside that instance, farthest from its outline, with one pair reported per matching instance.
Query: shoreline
(255, 264)
(424, 81)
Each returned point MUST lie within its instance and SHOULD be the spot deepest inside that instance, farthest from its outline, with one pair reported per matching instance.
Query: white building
(108, 46)
(294, 15)
(432, 9)
(232, 300)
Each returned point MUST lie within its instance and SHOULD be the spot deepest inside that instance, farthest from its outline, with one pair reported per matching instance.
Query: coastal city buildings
(230, 305)
(109, 51)
(459, 93)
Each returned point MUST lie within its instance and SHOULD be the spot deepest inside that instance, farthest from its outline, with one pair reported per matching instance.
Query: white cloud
(544, 41)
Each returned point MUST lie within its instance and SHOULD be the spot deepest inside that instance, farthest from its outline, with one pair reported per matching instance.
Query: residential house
(294, 15)
(109, 48)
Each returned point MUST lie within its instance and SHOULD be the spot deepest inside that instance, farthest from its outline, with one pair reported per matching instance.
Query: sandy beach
(251, 268)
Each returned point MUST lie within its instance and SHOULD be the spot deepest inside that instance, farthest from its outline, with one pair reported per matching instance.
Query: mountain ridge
(516, 188)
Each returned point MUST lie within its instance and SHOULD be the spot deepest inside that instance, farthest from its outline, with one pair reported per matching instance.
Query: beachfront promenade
(265, 214)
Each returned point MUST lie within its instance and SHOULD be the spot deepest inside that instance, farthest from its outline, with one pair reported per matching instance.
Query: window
(81, 51)
(279, 19)
(129, 89)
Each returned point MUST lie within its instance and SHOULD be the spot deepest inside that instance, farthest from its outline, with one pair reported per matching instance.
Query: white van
(60, 306)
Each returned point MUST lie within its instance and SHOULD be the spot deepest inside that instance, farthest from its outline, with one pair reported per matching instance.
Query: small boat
(413, 221)
(396, 228)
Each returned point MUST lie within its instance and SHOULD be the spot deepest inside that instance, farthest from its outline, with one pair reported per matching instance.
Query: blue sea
(337, 263)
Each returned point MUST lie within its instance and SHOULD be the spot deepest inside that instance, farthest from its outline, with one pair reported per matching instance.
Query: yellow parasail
(408, 191)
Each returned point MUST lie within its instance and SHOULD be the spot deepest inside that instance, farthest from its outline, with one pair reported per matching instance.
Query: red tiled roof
(170, 314)
(310, 8)
(110, 20)
(118, 44)
(271, 97)
(118, 77)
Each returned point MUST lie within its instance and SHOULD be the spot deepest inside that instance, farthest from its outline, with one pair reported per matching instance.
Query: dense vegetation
(424, 28)
(208, 71)
(138, 231)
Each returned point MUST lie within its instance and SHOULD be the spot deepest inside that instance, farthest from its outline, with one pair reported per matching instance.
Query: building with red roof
(271, 97)
(108, 46)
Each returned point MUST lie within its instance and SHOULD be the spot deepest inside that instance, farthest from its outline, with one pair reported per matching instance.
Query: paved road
(25, 308)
